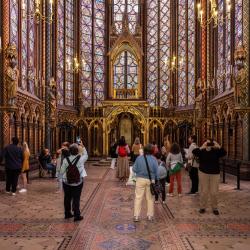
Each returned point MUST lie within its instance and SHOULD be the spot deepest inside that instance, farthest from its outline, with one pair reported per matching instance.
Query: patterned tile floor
(35, 220)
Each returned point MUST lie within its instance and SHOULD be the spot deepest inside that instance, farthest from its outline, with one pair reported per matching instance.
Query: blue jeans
(51, 167)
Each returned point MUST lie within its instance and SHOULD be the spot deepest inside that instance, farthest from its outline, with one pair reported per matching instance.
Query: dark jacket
(44, 160)
(13, 156)
(112, 151)
(209, 160)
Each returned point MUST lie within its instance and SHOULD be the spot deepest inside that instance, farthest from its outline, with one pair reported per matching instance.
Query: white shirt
(190, 155)
(79, 165)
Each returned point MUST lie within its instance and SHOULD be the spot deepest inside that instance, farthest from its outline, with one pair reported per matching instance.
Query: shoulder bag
(155, 188)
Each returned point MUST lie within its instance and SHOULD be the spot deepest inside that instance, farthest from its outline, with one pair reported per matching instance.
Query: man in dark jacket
(13, 156)
(209, 173)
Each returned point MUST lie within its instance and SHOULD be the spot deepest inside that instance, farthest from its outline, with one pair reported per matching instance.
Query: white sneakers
(23, 190)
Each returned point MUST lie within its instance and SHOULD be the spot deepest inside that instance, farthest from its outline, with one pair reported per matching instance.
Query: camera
(210, 144)
(78, 140)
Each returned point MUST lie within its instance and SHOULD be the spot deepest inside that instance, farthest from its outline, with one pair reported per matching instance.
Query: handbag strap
(149, 175)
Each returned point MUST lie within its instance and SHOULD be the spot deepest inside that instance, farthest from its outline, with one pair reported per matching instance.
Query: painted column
(4, 33)
(47, 76)
(204, 69)
(246, 101)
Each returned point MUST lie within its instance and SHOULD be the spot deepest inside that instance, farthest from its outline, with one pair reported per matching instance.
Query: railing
(231, 167)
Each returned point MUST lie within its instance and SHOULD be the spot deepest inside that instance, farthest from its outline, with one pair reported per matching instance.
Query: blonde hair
(137, 141)
(26, 147)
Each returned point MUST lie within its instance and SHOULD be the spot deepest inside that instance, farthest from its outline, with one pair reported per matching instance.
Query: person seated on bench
(45, 161)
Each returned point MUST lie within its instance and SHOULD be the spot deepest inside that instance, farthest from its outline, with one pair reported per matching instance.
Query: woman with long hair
(136, 149)
(25, 166)
(122, 151)
(175, 161)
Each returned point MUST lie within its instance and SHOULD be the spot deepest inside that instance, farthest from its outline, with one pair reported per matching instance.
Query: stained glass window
(152, 52)
(24, 52)
(86, 51)
(69, 52)
(14, 22)
(182, 34)
(238, 23)
(191, 52)
(92, 51)
(164, 55)
(60, 52)
(122, 6)
(27, 41)
(99, 50)
(125, 71)
(158, 52)
(221, 58)
(31, 50)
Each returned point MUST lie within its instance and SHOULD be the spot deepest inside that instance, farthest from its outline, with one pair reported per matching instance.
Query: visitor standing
(143, 182)
(122, 151)
(62, 153)
(174, 162)
(155, 148)
(113, 154)
(162, 173)
(165, 148)
(73, 173)
(193, 165)
(136, 149)
(25, 166)
(13, 156)
(209, 173)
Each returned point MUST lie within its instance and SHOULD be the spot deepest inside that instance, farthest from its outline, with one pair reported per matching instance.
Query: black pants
(163, 183)
(194, 179)
(72, 195)
(12, 179)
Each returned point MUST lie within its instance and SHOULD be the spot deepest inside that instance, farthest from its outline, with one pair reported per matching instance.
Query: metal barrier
(233, 166)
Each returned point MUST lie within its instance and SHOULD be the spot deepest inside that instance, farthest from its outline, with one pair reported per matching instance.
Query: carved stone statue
(240, 75)
(239, 83)
(171, 100)
(12, 74)
(198, 102)
(53, 101)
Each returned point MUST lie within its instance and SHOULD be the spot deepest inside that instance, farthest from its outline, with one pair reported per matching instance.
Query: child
(162, 171)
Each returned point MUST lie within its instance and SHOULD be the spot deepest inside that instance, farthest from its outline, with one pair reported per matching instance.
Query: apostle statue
(11, 74)
(53, 101)
(240, 75)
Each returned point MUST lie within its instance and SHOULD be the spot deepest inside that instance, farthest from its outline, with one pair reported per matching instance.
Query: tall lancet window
(131, 7)
(92, 51)
(158, 52)
(221, 50)
(69, 49)
(65, 52)
(186, 50)
(125, 75)
(238, 23)
(60, 51)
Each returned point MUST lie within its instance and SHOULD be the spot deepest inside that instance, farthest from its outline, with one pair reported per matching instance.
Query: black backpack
(72, 172)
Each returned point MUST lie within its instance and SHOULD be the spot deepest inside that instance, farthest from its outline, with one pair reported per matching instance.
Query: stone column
(47, 76)
(204, 70)
(4, 33)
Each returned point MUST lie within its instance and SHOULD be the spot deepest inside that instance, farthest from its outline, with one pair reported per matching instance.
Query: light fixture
(213, 17)
(75, 66)
(172, 63)
(37, 15)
